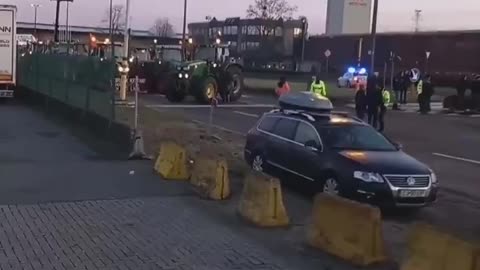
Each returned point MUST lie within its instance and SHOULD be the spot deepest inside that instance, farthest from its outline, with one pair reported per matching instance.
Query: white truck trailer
(8, 50)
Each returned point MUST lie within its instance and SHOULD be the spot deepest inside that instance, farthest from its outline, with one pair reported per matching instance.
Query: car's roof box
(305, 101)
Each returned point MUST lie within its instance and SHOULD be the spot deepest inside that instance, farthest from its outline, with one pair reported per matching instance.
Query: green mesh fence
(81, 82)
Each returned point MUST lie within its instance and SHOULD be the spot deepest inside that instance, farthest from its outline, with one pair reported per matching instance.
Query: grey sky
(394, 15)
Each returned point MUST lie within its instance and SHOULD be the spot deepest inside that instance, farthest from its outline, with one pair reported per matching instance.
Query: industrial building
(348, 17)
(255, 40)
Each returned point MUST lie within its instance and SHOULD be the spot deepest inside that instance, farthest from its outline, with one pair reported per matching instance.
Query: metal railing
(81, 82)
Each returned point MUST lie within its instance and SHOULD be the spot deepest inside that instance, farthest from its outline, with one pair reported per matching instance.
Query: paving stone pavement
(152, 233)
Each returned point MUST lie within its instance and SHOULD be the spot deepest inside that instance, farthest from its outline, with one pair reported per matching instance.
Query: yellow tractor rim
(210, 91)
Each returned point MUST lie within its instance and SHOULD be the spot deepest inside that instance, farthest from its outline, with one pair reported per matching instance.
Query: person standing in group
(405, 85)
(282, 87)
(428, 91)
(383, 108)
(374, 100)
(360, 101)
(397, 88)
(462, 87)
(318, 86)
(424, 94)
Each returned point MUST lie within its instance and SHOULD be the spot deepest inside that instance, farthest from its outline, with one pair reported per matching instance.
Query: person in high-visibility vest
(383, 109)
(421, 97)
(318, 86)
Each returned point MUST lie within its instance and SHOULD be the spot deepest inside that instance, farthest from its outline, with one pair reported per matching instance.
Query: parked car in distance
(339, 155)
(352, 77)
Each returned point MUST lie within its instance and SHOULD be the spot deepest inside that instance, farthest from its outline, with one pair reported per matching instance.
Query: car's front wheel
(258, 163)
(331, 186)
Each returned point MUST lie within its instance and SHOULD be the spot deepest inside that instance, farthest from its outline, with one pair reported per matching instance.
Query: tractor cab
(168, 53)
(219, 54)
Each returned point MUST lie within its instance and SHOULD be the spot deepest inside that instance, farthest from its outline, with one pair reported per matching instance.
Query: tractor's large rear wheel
(236, 84)
(207, 91)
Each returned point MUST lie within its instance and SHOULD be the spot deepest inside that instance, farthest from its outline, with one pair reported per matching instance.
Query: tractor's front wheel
(207, 91)
(175, 96)
(236, 84)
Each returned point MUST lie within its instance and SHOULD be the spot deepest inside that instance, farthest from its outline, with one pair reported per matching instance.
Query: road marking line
(247, 114)
(193, 106)
(475, 115)
(457, 158)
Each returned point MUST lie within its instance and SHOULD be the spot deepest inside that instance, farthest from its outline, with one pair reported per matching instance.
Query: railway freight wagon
(450, 53)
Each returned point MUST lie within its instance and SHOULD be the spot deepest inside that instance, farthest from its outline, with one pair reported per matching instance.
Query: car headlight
(180, 75)
(186, 75)
(214, 65)
(433, 176)
(368, 177)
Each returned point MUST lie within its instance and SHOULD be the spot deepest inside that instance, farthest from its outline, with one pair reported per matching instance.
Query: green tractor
(209, 73)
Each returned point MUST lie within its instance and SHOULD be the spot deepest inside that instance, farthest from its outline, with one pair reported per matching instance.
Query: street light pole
(374, 34)
(35, 6)
(125, 68)
(184, 33)
(67, 34)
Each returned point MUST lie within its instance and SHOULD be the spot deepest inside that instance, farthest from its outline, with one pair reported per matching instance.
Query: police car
(352, 77)
(306, 142)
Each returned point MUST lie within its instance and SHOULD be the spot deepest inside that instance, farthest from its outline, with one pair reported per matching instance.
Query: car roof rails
(295, 112)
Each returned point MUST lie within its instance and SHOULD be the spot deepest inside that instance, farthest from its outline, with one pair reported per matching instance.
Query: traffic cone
(138, 152)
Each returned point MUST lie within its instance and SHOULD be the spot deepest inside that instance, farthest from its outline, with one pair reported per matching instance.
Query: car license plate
(413, 193)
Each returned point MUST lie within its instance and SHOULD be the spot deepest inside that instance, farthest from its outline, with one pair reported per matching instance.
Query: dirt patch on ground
(173, 126)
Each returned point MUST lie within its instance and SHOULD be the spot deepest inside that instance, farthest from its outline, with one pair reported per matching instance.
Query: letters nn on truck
(8, 26)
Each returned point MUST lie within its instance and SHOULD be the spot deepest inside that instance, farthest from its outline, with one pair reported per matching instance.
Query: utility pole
(374, 34)
(418, 14)
(110, 31)
(57, 15)
(35, 6)
(304, 37)
(184, 33)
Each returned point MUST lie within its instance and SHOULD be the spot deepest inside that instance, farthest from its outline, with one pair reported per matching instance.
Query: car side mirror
(312, 146)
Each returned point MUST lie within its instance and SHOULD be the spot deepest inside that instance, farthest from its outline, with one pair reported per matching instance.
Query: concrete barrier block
(171, 163)
(261, 202)
(347, 229)
(210, 178)
(432, 249)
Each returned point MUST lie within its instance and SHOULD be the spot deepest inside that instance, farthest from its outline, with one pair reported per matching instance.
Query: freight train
(447, 55)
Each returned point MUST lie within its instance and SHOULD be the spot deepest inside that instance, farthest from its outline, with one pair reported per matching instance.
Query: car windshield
(355, 137)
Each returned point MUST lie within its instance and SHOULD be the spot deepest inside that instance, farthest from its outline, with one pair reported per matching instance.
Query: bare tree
(270, 11)
(118, 18)
(162, 28)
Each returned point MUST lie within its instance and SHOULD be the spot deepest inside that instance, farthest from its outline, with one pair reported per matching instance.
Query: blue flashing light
(351, 70)
(362, 71)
